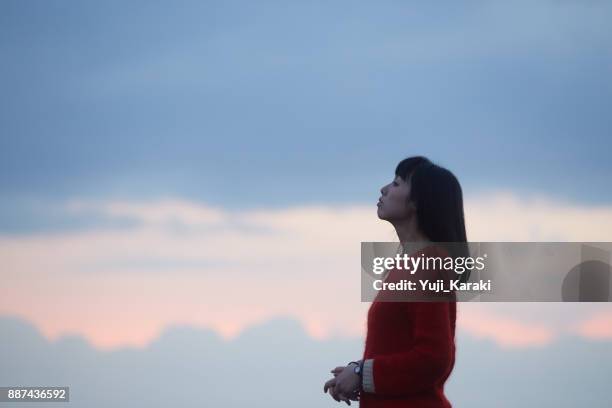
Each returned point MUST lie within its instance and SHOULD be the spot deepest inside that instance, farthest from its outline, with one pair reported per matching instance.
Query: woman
(407, 364)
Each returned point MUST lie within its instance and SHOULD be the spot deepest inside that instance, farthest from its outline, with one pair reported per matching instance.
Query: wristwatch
(359, 371)
(358, 367)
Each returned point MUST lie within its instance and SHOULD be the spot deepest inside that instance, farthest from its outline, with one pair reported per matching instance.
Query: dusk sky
(216, 164)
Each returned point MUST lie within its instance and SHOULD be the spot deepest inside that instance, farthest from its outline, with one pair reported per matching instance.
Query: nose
(382, 190)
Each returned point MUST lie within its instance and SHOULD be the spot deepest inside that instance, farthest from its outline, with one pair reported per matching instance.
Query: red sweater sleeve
(424, 364)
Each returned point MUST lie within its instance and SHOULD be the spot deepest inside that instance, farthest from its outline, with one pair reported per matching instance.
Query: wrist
(357, 366)
(358, 370)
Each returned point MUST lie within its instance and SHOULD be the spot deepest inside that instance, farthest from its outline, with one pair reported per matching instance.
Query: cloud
(508, 216)
(163, 211)
(189, 262)
(277, 362)
(507, 332)
(596, 327)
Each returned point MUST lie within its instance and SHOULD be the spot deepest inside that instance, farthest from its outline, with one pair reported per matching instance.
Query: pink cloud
(597, 327)
(507, 332)
(93, 282)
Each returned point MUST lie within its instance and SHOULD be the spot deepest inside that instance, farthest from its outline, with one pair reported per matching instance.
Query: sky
(215, 164)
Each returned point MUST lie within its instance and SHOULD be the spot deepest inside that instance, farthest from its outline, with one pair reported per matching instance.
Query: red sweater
(412, 345)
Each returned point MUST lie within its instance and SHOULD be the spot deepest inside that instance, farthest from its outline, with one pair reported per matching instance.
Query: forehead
(399, 180)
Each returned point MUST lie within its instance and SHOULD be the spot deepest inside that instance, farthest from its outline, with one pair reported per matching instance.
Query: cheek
(394, 204)
(398, 198)
(397, 203)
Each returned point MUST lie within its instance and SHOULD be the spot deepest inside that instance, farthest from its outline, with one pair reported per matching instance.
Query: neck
(408, 232)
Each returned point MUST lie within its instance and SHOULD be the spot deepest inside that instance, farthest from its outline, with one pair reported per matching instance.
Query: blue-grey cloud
(273, 103)
(275, 364)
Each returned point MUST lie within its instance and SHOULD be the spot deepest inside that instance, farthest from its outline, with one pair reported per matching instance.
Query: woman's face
(392, 205)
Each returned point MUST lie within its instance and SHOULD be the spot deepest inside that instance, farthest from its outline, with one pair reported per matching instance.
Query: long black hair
(438, 198)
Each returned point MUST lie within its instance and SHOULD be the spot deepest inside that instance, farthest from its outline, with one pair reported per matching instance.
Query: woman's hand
(345, 384)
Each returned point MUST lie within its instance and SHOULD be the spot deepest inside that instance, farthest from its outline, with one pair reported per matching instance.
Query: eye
(395, 183)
